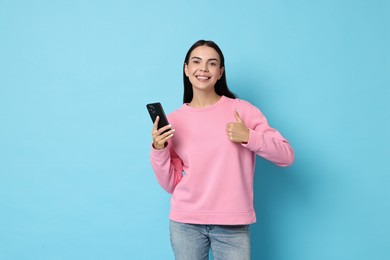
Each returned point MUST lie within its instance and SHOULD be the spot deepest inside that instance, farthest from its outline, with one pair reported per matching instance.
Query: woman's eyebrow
(211, 59)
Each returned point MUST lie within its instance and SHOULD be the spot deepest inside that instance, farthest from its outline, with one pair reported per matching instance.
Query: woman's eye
(195, 61)
(213, 64)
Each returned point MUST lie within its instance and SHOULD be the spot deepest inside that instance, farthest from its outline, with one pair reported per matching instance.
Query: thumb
(237, 116)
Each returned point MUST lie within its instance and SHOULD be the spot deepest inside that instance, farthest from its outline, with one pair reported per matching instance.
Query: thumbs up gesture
(237, 131)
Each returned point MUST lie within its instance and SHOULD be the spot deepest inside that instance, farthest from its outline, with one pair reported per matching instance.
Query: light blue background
(75, 178)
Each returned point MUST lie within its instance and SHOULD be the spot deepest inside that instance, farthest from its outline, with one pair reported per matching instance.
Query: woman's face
(203, 68)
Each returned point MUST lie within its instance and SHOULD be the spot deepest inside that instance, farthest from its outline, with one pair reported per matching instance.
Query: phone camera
(151, 109)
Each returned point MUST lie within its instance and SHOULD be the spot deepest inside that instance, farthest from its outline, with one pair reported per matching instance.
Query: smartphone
(156, 109)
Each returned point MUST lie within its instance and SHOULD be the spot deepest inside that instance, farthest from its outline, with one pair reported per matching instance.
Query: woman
(206, 160)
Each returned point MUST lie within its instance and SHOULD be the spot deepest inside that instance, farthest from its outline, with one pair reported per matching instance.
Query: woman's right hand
(160, 138)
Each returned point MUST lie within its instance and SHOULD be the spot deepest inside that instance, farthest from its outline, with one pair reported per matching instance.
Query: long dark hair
(221, 87)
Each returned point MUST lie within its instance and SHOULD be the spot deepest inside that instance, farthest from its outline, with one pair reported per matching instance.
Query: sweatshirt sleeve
(167, 167)
(266, 141)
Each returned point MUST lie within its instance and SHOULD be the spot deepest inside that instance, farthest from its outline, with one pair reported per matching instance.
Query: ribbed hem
(223, 218)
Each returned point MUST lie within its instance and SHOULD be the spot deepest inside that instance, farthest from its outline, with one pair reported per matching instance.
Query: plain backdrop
(75, 75)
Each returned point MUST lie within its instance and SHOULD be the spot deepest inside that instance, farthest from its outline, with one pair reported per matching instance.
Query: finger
(159, 136)
(155, 124)
(237, 116)
(164, 128)
(168, 136)
(229, 127)
(160, 140)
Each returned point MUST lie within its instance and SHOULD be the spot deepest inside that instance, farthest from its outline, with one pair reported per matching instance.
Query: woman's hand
(160, 138)
(237, 131)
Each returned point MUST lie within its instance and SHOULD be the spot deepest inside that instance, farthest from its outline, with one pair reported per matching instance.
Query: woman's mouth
(202, 77)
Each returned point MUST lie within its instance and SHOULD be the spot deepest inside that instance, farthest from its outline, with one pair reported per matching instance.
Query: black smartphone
(156, 109)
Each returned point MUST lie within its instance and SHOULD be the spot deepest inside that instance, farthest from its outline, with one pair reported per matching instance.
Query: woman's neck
(201, 101)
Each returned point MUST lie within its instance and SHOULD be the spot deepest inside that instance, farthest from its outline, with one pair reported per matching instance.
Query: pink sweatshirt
(209, 176)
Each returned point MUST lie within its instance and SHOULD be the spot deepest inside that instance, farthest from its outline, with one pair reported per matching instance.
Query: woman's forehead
(204, 52)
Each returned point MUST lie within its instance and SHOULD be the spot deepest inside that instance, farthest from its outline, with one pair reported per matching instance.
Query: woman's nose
(204, 68)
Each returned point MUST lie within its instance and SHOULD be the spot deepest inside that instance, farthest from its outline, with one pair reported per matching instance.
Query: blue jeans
(193, 242)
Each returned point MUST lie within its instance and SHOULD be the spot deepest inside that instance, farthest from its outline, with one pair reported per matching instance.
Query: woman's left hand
(237, 131)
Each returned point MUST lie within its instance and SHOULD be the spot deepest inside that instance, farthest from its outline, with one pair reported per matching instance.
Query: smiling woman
(203, 70)
(213, 138)
(218, 60)
(75, 177)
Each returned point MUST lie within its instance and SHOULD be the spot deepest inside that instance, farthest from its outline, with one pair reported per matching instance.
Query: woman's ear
(222, 71)
(186, 69)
